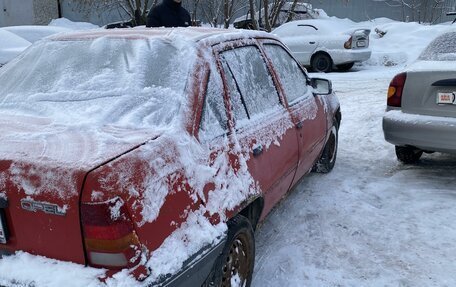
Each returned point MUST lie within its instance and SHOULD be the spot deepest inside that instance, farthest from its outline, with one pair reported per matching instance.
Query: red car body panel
(128, 170)
(43, 184)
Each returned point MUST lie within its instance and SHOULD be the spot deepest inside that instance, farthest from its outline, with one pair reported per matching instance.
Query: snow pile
(24, 270)
(402, 43)
(65, 23)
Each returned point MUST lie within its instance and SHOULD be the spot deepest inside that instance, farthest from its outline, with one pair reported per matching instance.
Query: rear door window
(252, 78)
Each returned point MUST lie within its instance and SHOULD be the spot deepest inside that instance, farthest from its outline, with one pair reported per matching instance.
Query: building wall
(14, 12)
(44, 11)
(27, 12)
(74, 11)
(362, 10)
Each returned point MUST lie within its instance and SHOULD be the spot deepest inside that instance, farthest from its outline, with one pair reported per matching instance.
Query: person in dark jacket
(169, 13)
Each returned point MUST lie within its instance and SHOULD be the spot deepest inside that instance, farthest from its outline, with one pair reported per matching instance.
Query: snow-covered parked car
(287, 13)
(11, 45)
(323, 44)
(421, 106)
(108, 161)
(33, 33)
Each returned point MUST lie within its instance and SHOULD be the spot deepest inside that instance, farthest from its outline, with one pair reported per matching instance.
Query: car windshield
(443, 48)
(126, 82)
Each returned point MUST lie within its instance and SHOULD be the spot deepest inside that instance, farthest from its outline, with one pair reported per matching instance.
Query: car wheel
(345, 67)
(408, 154)
(321, 63)
(234, 267)
(328, 158)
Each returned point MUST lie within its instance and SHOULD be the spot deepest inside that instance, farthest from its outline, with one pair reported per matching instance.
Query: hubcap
(322, 64)
(237, 263)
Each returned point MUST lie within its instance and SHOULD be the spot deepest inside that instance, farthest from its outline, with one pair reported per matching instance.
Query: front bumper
(429, 133)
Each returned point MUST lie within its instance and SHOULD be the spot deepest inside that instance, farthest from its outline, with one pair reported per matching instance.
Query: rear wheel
(408, 154)
(321, 63)
(345, 67)
(234, 267)
(328, 158)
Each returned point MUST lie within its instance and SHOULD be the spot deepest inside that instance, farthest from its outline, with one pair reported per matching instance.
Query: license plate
(3, 232)
(361, 44)
(445, 98)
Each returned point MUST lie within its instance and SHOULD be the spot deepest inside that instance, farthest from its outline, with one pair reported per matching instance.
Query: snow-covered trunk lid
(42, 171)
(41, 214)
(430, 93)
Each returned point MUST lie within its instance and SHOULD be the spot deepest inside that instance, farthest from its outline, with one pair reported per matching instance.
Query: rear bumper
(197, 269)
(195, 272)
(348, 56)
(429, 133)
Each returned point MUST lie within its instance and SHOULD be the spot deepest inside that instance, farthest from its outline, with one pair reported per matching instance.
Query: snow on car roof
(192, 34)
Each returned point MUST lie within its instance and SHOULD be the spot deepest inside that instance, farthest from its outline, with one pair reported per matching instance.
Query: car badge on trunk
(49, 208)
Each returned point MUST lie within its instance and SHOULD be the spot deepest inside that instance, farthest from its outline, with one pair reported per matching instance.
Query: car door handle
(312, 42)
(258, 150)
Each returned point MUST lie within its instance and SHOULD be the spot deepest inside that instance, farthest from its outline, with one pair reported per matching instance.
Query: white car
(300, 11)
(323, 44)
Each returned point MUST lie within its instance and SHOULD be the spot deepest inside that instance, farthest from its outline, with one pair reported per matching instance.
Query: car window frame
(230, 45)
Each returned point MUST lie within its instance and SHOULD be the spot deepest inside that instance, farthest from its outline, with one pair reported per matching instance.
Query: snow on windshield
(107, 80)
(443, 48)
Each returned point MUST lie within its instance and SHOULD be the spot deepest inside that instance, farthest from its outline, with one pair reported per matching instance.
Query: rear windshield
(443, 48)
(126, 82)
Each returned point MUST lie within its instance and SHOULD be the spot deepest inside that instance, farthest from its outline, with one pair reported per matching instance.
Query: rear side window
(443, 48)
(253, 79)
(293, 80)
(214, 120)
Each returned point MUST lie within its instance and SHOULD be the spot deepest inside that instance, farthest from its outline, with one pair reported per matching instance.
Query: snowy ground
(372, 221)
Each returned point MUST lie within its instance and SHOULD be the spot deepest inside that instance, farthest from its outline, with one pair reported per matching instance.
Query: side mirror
(321, 86)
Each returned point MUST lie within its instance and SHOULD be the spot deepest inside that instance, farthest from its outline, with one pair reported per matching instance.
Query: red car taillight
(395, 90)
(348, 44)
(109, 236)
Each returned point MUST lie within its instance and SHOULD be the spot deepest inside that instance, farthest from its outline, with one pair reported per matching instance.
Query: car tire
(408, 154)
(321, 63)
(237, 260)
(328, 157)
(345, 67)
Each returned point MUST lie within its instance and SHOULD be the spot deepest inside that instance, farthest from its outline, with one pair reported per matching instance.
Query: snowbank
(402, 43)
(65, 23)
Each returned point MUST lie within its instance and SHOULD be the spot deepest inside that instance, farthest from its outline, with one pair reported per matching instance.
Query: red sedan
(156, 151)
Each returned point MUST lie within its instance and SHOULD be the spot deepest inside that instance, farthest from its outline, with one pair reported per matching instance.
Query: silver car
(421, 111)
